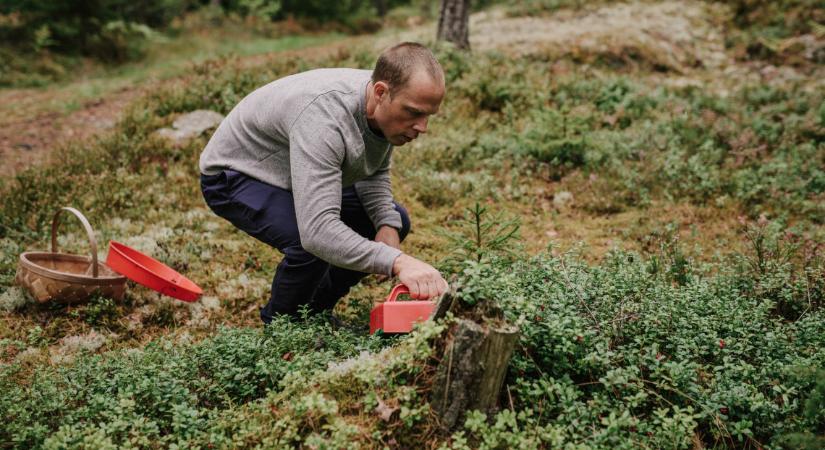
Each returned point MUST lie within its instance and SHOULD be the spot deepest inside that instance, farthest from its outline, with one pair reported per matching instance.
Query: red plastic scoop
(151, 273)
(399, 317)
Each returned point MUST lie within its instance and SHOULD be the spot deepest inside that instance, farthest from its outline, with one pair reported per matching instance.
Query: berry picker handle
(396, 291)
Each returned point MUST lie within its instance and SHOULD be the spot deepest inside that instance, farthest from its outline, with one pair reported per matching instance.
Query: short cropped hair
(396, 64)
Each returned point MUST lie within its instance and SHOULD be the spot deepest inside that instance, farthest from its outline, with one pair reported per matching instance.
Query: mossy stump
(472, 369)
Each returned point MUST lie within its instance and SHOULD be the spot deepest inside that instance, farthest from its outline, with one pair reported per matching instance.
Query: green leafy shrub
(492, 84)
(164, 393)
(98, 312)
(434, 189)
(777, 19)
(617, 357)
(632, 352)
(110, 29)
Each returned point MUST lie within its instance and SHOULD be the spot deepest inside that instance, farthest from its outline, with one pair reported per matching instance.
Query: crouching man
(303, 165)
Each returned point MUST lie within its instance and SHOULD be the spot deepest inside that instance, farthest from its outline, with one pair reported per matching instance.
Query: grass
(167, 57)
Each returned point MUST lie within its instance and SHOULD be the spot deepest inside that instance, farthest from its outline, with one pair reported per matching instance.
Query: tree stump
(472, 370)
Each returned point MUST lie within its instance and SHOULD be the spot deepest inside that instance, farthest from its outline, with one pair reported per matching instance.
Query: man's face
(403, 115)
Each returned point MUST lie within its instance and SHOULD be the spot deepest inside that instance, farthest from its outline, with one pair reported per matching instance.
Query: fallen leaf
(384, 411)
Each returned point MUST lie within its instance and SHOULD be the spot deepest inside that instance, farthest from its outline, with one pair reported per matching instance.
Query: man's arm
(375, 193)
(316, 152)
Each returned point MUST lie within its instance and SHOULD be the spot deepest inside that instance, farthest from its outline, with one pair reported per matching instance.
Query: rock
(562, 199)
(191, 125)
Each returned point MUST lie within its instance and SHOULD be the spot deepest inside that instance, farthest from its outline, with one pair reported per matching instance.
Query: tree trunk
(472, 370)
(380, 7)
(454, 23)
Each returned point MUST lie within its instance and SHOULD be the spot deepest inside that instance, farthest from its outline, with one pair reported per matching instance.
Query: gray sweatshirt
(308, 133)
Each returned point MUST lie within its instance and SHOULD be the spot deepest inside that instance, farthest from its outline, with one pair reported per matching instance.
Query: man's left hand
(389, 236)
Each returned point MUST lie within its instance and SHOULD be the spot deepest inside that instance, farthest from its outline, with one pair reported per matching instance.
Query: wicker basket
(63, 277)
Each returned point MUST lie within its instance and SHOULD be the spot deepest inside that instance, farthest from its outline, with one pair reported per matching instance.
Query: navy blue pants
(267, 213)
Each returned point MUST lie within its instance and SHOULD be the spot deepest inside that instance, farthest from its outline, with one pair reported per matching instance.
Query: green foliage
(633, 352)
(265, 9)
(164, 393)
(121, 41)
(478, 237)
(614, 356)
(43, 40)
(667, 256)
(98, 312)
(777, 19)
(541, 7)
(556, 139)
(110, 29)
(766, 29)
(493, 86)
(782, 265)
(610, 356)
(435, 189)
(336, 408)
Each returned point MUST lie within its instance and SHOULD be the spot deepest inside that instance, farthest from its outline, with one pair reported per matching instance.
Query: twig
(447, 384)
(579, 296)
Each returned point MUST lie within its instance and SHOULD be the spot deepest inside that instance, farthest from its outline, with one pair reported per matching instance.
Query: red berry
(721, 343)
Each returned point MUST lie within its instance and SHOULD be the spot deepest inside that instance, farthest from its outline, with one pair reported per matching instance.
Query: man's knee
(405, 221)
(295, 257)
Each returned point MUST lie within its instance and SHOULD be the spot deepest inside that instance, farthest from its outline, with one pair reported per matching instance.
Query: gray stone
(191, 125)
(562, 199)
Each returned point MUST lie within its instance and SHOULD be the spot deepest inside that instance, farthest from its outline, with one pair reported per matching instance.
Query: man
(302, 164)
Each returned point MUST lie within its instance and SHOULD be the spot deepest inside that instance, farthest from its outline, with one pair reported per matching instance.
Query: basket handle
(396, 291)
(89, 233)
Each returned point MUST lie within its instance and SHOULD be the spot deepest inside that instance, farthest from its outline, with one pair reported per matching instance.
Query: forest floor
(610, 128)
(684, 40)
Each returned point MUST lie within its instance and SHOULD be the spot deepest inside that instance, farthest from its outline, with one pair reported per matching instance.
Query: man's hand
(421, 278)
(389, 236)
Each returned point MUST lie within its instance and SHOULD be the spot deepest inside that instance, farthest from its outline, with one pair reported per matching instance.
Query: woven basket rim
(26, 262)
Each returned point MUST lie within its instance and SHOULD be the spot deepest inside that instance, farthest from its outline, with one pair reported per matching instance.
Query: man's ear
(381, 90)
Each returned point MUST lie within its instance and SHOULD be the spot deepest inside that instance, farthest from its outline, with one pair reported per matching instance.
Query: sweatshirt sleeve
(375, 193)
(316, 154)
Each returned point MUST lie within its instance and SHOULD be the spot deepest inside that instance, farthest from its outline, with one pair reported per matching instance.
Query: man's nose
(420, 126)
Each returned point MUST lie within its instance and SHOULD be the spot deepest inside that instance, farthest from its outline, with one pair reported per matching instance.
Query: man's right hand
(423, 281)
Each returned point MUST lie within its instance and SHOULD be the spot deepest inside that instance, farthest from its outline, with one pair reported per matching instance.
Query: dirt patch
(29, 135)
(34, 122)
